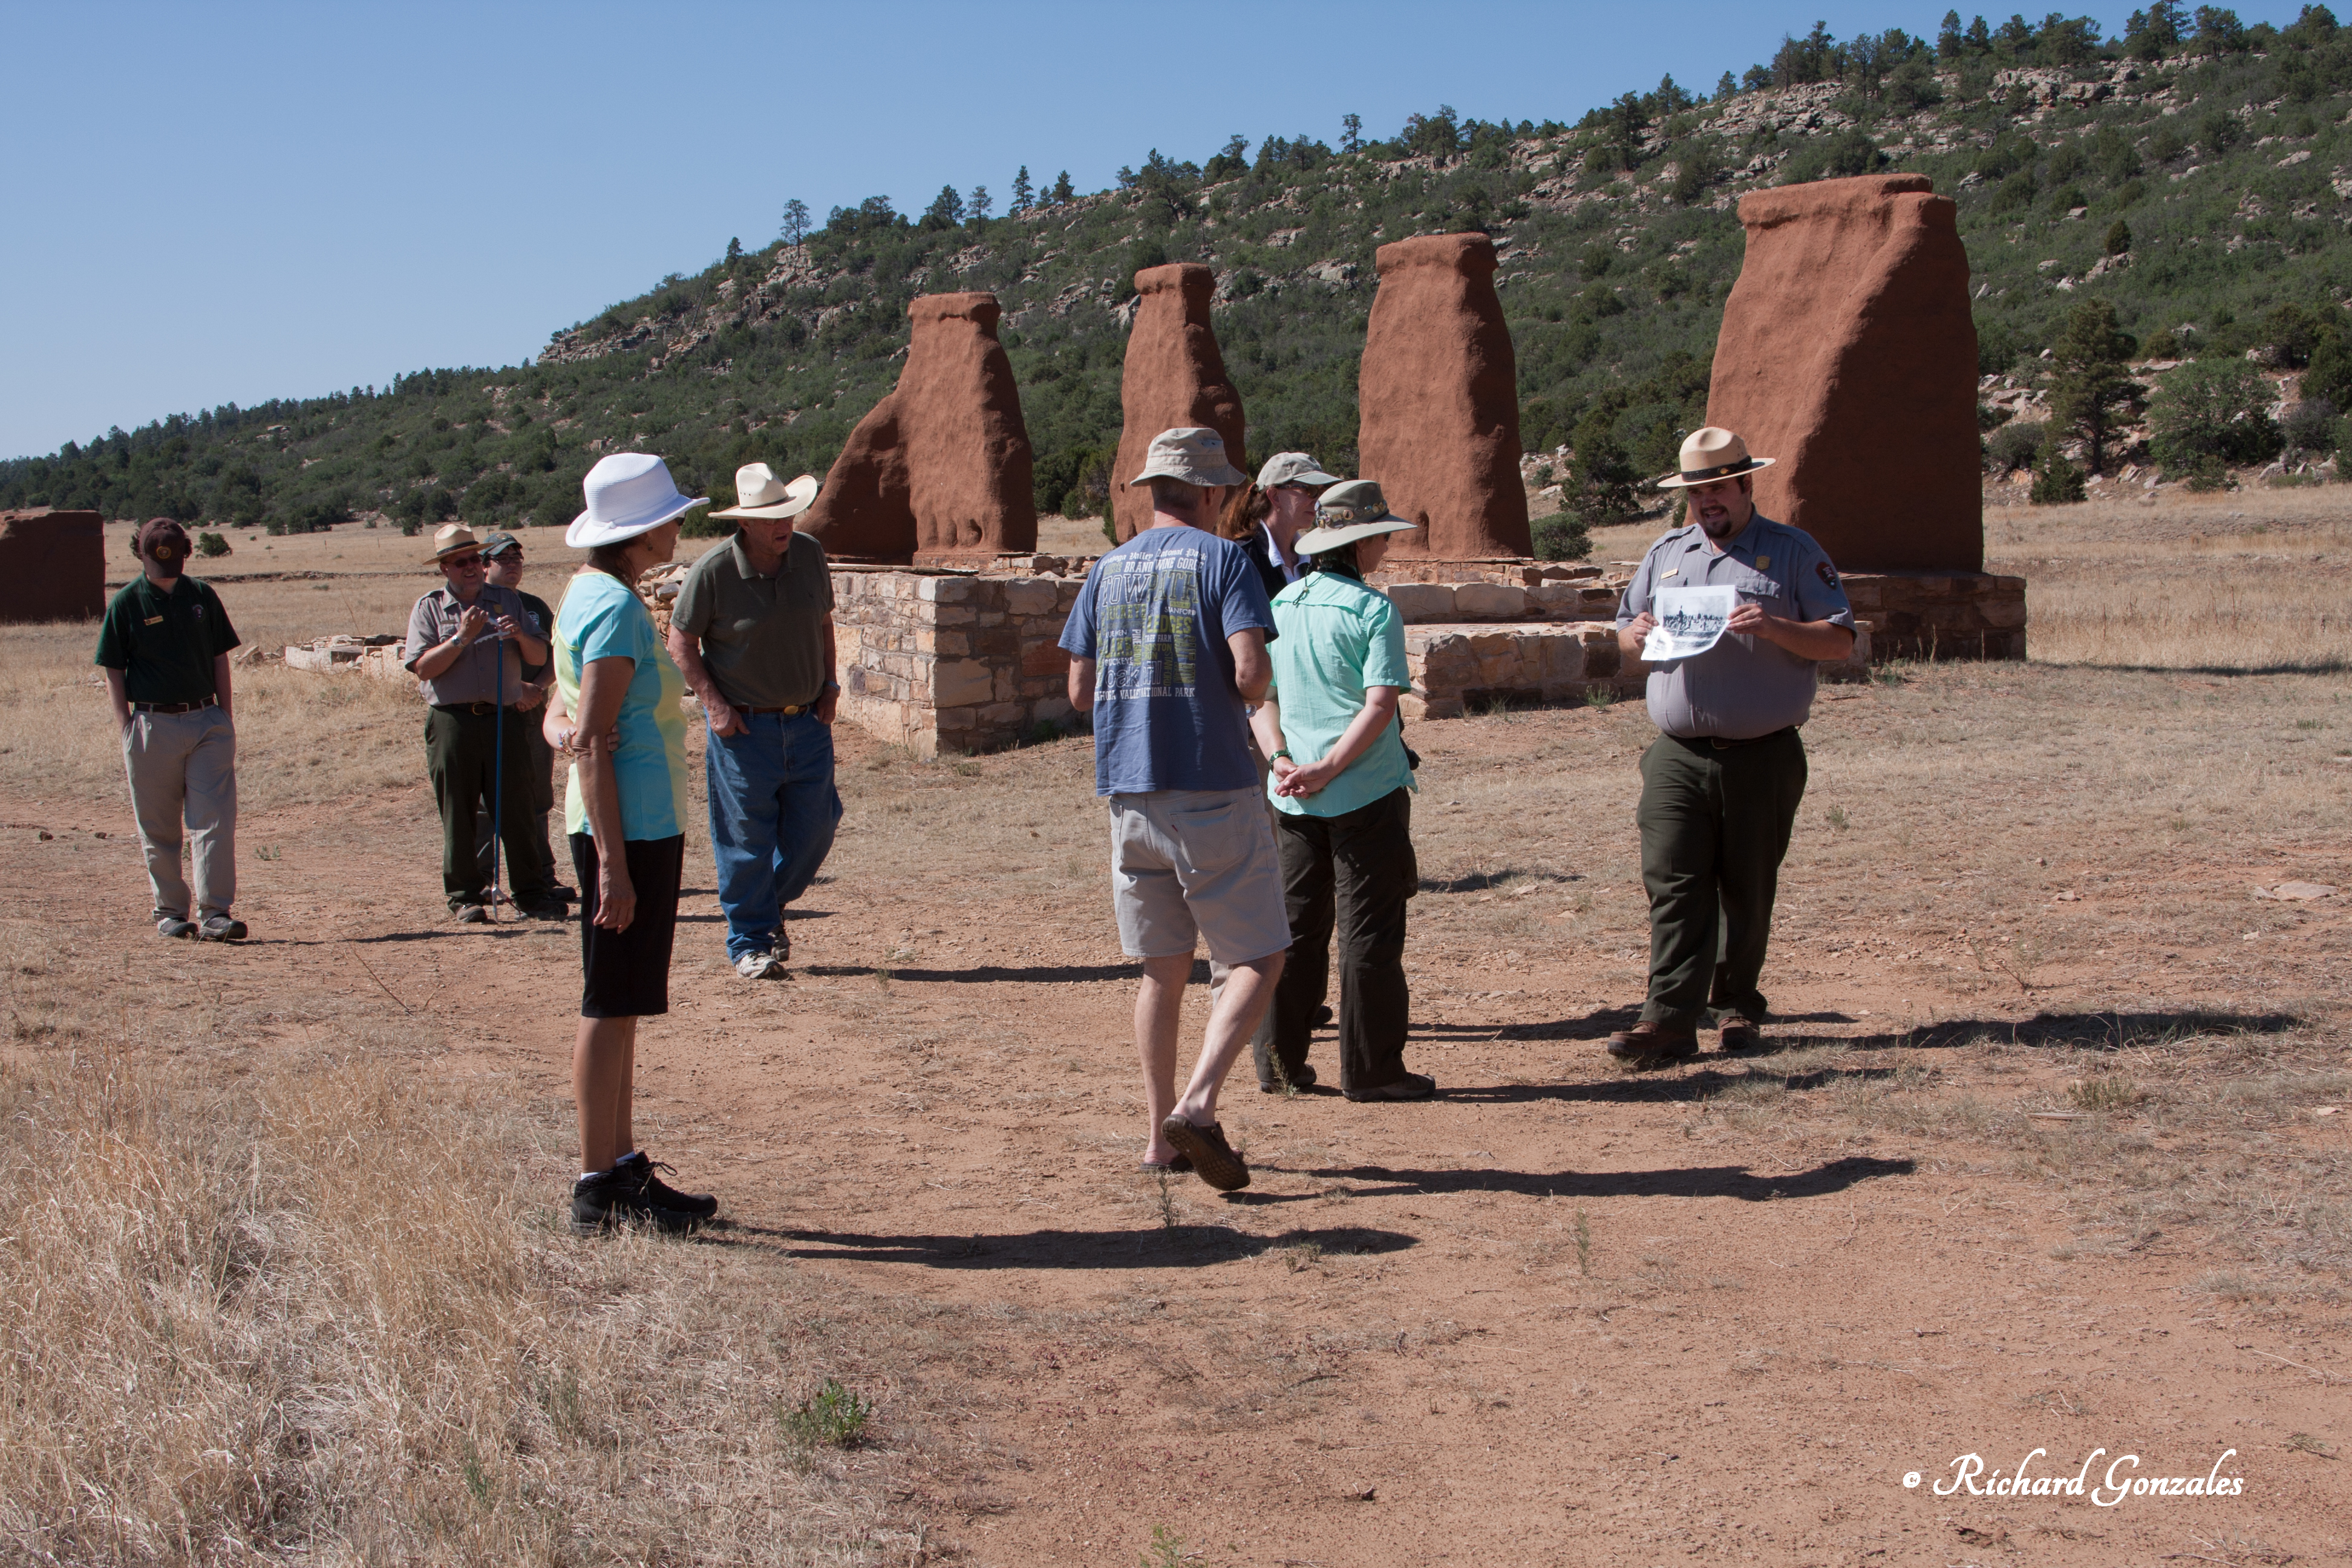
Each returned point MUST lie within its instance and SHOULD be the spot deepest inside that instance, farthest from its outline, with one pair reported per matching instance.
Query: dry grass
(311, 1308)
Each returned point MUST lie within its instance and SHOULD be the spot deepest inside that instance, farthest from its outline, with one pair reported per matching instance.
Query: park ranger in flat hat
(1721, 783)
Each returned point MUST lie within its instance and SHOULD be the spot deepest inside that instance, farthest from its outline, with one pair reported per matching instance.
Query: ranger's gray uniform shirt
(473, 676)
(1743, 687)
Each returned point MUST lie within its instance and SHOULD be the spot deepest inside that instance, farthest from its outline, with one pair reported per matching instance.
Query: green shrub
(2013, 447)
(1562, 536)
(2210, 415)
(211, 545)
(2056, 481)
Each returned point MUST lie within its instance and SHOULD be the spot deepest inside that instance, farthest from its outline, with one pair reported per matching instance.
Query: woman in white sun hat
(624, 807)
(1342, 792)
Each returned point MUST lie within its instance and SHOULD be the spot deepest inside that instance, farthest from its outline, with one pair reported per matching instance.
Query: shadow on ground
(1159, 1246)
(1689, 1182)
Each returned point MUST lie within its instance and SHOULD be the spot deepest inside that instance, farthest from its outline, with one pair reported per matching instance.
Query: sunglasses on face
(464, 562)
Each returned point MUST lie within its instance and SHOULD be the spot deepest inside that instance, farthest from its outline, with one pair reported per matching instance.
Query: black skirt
(627, 973)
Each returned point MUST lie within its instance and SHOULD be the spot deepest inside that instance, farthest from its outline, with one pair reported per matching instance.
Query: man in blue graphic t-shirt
(1167, 649)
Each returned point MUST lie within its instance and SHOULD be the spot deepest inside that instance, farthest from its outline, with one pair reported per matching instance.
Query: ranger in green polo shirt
(164, 646)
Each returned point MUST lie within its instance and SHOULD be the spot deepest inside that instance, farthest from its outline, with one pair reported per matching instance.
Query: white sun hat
(628, 493)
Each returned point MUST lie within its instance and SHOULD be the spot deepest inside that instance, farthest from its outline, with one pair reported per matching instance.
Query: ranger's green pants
(1715, 824)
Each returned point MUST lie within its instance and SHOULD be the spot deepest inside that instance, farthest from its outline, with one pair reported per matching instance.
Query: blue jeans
(773, 812)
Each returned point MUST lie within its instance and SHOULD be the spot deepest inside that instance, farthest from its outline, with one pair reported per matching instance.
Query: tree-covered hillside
(2191, 172)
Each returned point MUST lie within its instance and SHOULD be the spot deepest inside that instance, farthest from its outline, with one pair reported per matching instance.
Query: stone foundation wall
(1941, 615)
(940, 662)
(1457, 667)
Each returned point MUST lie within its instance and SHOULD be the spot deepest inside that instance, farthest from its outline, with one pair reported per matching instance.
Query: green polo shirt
(1338, 637)
(164, 639)
(762, 637)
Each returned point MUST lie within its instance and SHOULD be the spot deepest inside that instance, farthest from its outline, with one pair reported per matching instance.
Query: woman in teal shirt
(1343, 791)
(624, 808)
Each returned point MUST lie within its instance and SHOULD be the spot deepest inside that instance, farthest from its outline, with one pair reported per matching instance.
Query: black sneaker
(471, 914)
(612, 1198)
(1302, 1078)
(175, 926)
(221, 928)
(645, 1171)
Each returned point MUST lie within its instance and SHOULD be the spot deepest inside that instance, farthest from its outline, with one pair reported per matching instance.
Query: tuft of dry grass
(320, 1307)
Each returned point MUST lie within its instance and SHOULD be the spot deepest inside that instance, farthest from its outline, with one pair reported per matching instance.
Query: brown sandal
(1212, 1157)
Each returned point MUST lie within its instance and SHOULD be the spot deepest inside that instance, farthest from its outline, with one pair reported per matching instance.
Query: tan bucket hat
(760, 494)
(1192, 453)
(1349, 512)
(450, 538)
(1292, 468)
(1712, 453)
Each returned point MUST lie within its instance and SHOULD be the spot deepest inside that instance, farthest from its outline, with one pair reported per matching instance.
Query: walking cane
(498, 773)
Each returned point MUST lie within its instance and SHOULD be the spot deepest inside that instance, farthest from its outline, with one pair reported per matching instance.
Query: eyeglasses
(462, 562)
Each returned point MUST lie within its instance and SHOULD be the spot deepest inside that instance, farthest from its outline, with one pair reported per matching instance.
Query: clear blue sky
(228, 203)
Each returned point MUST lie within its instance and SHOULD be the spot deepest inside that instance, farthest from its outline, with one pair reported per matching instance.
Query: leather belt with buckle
(478, 710)
(175, 707)
(1724, 744)
(796, 708)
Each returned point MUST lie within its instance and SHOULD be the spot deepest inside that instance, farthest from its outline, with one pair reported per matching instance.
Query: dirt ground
(2052, 1152)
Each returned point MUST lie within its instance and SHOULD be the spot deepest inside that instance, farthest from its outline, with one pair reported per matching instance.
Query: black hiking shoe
(645, 1171)
(612, 1198)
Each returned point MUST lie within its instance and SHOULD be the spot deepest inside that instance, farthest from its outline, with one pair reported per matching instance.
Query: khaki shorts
(1188, 866)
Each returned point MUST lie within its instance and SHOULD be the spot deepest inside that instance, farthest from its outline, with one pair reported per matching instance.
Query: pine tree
(1064, 193)
(797, 222)
(1352, 132)
(1024, 195)
(980, 201)
(2088, 383)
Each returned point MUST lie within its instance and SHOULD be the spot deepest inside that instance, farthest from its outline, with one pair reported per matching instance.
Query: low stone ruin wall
(1456, 669)
(377, 656)
(950, 662)
(1942, 615)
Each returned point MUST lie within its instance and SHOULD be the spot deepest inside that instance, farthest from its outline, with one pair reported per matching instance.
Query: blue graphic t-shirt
(1154, 615)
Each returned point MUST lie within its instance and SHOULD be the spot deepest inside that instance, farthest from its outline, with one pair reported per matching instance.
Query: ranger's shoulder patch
(1828, 572)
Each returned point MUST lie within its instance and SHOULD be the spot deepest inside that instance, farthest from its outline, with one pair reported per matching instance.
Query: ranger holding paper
(1721, 783)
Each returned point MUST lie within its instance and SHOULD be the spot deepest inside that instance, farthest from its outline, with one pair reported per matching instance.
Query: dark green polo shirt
(164, 640)
(762, 637)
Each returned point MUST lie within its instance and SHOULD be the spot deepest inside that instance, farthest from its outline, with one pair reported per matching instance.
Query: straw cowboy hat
(1347, 512)
(760, 494)
(1712, 453)
(1191, 453)
(449, 539)
(628, 493)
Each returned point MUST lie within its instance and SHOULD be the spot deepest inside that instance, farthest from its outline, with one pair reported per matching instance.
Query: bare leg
(625, 1100)
(1249, 989)
(1158, 1005)
(602, 1057)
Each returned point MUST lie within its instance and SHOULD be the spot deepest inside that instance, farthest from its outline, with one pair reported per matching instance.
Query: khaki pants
(182, 766)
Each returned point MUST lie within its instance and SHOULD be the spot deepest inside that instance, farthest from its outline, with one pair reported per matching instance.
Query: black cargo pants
(1714, 821)
(1353, 872)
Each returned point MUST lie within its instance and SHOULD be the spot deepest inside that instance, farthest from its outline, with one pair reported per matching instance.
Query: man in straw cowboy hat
(467, 645)
(1167, 646)
(164, 646)
(752, 632)
(1720, 785)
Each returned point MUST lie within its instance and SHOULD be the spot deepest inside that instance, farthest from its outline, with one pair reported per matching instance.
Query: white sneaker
(760, 966)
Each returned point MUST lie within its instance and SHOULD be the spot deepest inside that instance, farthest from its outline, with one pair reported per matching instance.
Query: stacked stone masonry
(950, 662)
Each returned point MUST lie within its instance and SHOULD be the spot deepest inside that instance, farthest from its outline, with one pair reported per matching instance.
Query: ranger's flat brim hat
(1711, 453)
(450, 538)
(762, 495)
(1192, 454)
(1348, 512)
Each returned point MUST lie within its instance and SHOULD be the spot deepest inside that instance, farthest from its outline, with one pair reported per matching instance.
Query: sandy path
(1389, 1350)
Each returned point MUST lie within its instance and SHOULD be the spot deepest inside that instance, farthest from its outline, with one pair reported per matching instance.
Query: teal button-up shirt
(1338, 637)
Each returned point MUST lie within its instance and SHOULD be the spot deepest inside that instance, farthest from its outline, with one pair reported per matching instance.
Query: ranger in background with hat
(164, 646)
(503, 553)
(752, 633)
(467, 645)
(1720, 785)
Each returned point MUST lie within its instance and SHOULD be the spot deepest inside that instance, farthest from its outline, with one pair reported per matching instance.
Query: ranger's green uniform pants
(1715, 823)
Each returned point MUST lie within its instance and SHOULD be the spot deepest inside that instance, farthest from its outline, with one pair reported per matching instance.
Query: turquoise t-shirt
(601, 618)
(1338, 638)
